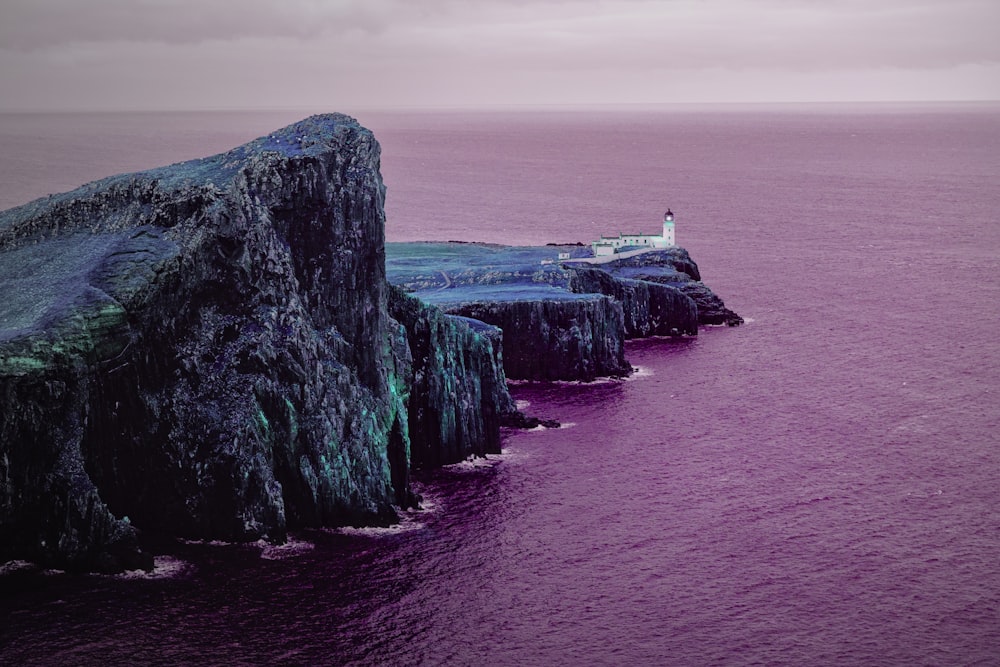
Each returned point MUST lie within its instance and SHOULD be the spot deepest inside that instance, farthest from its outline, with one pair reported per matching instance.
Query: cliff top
(446, 274)
(72, 260)
(311, 137)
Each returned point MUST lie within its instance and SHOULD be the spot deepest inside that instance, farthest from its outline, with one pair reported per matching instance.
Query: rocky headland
(213, 350)
(561, 319)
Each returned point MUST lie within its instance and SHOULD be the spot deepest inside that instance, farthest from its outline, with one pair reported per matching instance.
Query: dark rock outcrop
(675, 268)
(711, 309)
(676, 258)
(205, 350)
(648, 309)
(458, 392)
(211, 350)
(568, 339)
(555, 325)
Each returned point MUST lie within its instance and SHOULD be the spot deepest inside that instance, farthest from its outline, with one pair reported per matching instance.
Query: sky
(68, 55)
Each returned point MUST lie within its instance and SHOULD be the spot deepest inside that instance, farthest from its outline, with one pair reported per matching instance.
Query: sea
(820, 486)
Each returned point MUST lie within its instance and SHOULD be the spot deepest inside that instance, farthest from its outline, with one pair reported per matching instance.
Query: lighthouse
(613, 245)
(668, 228)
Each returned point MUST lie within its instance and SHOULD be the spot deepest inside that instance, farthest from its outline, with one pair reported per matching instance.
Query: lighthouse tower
(668, 228)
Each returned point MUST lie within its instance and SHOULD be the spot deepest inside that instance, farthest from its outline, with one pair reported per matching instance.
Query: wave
(403, 526)
(639, 373)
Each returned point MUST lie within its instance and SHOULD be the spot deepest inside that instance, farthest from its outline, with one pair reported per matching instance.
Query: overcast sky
(359, 54)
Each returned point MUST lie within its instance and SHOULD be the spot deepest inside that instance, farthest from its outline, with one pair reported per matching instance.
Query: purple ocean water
(820, 486)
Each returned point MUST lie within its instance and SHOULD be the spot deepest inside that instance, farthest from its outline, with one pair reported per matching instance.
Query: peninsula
(214, 349)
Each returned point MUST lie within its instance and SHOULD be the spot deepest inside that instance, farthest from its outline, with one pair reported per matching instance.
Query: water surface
(815, 487)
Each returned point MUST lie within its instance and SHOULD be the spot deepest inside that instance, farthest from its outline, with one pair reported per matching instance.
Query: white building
(609, 245)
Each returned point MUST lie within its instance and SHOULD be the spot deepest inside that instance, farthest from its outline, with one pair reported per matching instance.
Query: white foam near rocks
(430, 503)
(13, 566)
(208, 543)
(409, 520)
(403, 526)
(475, 463)
(289, 549)
(164, 567)
(639, 373)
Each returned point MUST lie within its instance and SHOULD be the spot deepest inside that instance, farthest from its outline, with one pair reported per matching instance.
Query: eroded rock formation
(675, 268)
(458, 396)
(567, 339)
(562, 319)
(648, 309)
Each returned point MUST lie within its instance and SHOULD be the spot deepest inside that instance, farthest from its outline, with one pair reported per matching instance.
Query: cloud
(780, 34)
(39, 24)
(417, 51)
(800, 34)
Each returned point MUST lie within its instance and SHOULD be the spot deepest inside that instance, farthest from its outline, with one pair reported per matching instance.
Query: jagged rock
(711, 308)
(566, 339)
(675, 258)
(205, 350)
(674, 268)
(649, 309)
(534, 297)
(453, 358)
(521, 421)
(211, 350)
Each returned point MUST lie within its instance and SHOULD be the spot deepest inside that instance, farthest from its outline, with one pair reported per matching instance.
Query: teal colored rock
(452, 356)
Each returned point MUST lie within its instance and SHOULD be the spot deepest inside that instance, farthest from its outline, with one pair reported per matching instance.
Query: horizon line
(524, 106)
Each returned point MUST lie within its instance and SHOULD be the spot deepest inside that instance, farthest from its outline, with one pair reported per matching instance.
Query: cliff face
(205, 350)
(648, 309)
(211, 349)
(561, 320)
(458, 390)
(569, 339)
(675, 268)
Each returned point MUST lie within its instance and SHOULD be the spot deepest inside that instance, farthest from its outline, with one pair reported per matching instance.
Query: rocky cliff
(212, 350)
(556, 339)
(206, 350)
(648, 308)
(458, 392)
(675, 268)
(561, 320)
